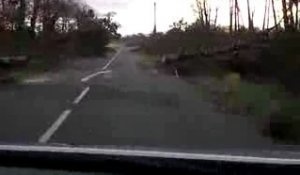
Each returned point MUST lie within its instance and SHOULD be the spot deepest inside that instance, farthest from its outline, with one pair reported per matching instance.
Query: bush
(84, 43)
(14, 43)
(284, 125)
(91, 42)
(281, 60)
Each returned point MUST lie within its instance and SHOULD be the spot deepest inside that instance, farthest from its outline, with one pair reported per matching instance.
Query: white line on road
(48, 134)
(87, 78)
(81, 96)
(176, 73)
(112, 59)
(104, 71)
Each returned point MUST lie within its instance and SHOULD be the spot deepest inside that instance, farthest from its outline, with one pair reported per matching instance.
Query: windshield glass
(174, 75)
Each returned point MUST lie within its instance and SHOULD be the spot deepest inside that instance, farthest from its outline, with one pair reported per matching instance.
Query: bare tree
(297, 14)
(231, 15)
(274, 14)
(250, 19)
(199, 11)
(21, 14)
(265, 14)
(36, 8)
(3, 5)
(268, 13)
(203, 10)
(206, 13)
(285, 14)
(290, 21)
(236, 15)
(291, 13)
(216, 16)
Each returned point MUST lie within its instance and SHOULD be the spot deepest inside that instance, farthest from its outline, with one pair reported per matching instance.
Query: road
(115, 102)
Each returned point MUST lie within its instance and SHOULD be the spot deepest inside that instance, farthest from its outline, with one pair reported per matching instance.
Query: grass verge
(148, 61)
(276, 113)
(37, 65)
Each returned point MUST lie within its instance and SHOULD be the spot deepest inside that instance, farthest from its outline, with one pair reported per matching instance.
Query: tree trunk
(216, 17)
(3, 5)
(230, 15)
(250, 17)
(250, 23)
(64, 27)
(268, 14)
(33, 19)
(297, 16)
(200, 11)
(206, 14)
(49, 18)
(209, 15)
(265, 15)
(274, 14)
(285, 15)
(292, 22)
(21, 15)
(235, 16)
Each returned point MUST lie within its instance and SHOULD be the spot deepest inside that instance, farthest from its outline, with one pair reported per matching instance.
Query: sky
(137, 16)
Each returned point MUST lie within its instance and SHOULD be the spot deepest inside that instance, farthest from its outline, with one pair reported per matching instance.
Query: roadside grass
(41, 63)
(36, 65)
(114, 45)
(284, 125)
(276, 113)
(234, 93)
(259, 98)
(147, 60)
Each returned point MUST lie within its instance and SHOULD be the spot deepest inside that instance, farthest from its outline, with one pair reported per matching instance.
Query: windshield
(170, 75)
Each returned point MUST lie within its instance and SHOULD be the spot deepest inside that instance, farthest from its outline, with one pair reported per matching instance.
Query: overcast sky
(136, 16)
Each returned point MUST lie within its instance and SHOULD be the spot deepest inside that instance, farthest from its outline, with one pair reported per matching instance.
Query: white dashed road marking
(112, 59)
(48, 134)
(104, 71)
(81, 96)
(176, 73)
(87, 78)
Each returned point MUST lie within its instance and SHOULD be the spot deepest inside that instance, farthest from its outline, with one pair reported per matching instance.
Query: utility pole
(154, 30)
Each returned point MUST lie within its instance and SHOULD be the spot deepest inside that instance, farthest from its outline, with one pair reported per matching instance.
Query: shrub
(14, 42)
(91, 42)
(284, 125)
(281, 60)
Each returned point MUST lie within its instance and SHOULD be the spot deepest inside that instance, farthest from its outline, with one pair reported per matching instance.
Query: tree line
(287, 16)
(26, 21)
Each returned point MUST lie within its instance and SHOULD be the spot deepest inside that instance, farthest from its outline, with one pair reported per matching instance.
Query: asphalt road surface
(115, 102)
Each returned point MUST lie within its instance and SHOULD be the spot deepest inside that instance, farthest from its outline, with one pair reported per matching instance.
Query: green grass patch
(276, 113)
(35, 66)
(254, 99)
(114, 45)
(148, 61)
(258, 98)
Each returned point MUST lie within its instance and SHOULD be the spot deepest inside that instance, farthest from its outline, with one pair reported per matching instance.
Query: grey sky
(136, 16)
